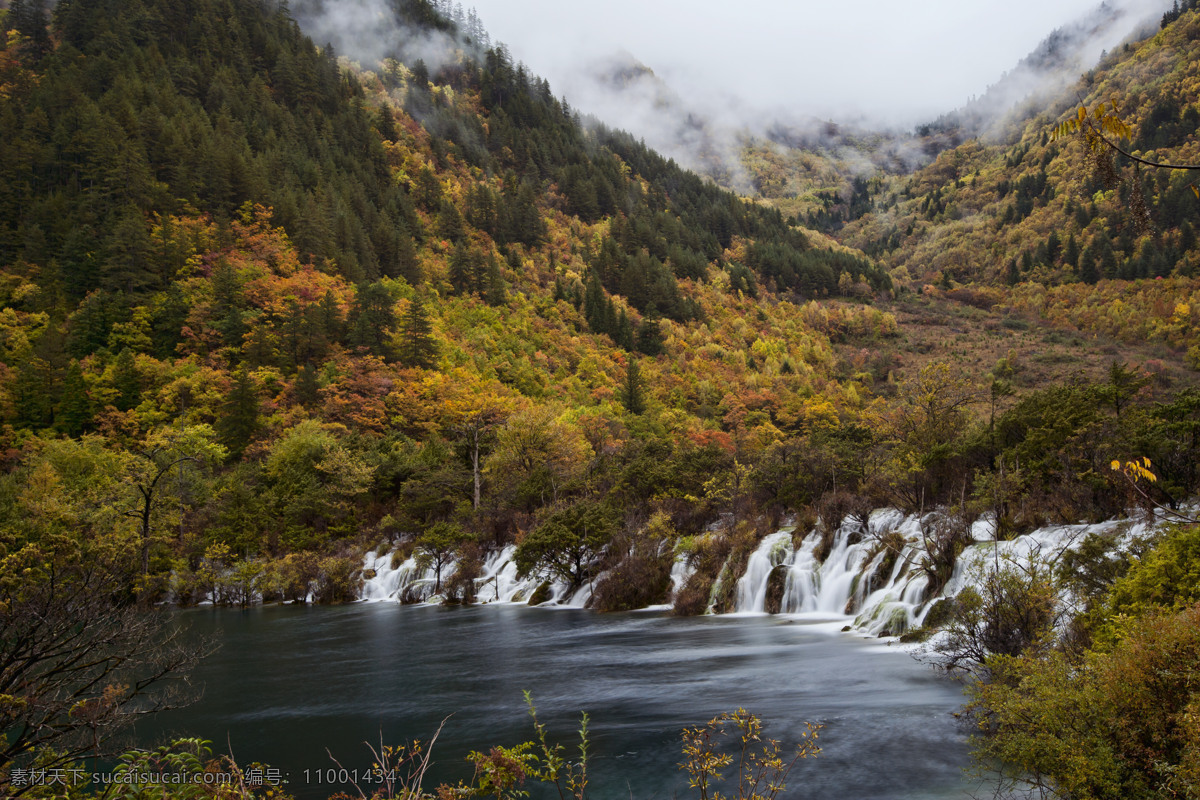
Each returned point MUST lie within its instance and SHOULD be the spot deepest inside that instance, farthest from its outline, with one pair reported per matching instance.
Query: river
(290, 682)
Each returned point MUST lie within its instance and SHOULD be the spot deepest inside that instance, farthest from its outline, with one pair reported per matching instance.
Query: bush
(1013, 612)
(1118, 725)
(707, 558)
(642, 578)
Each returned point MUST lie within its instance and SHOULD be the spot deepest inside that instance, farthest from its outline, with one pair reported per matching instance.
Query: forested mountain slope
(261, 306)
(1081, 237)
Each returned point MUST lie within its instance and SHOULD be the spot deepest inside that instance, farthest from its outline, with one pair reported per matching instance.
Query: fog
(694, 85)
(894, 63)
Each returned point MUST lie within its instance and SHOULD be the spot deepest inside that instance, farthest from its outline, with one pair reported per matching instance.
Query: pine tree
(1087, 268)
(34, 393)
(1071, 254)
(649, 337)
(624, 332)
(632, 394)
(372, 319)
(462, 271)
(495, 295)
(238, 423)
(73, 412)
(127, 381)
(418, 348)
(1012, 275)
(450, 222)
(306, 389)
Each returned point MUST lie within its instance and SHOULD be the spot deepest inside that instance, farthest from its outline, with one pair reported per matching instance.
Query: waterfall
(404, 581)
(871, 577)
(752, 587)
(497, 582)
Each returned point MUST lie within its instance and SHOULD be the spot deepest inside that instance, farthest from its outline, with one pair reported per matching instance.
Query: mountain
(1055, 226)
(416, 300)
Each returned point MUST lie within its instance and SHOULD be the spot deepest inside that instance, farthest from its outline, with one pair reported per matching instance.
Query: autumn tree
(314, 480)
(438, 545)
(566, 546)
(81, 662)
(537, 455)
(163, 451)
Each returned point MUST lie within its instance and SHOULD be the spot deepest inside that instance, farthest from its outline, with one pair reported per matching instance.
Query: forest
(263, 308)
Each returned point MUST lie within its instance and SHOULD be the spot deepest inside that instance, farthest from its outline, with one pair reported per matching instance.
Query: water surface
(291, 682)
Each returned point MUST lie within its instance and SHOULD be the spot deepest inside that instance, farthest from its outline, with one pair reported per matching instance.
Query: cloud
(695, 83)
(368, 31)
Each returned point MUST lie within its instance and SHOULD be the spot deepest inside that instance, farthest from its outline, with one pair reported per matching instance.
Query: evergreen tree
(594, 304)
(649, 337)
(632, 393)
(238, 423)
(73, 412)
(372, 319)
(462, 269)
(1012, 276)
(450, 222)
(495, 294)
(306, 389)
(418, 348)
(34, 393)
(127, 381)
(1087, 267)
(1071, 254)
(428, 189)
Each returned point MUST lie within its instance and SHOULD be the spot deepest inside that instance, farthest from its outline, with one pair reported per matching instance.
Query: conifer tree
(306, 389)
(238, 423)
(450, 222)
(632, 394)
(418, 348)
(127, 381)
(73, 411)
(649, 337)
(495, 283)
(372, 319)
(34, 393)
(462, 271)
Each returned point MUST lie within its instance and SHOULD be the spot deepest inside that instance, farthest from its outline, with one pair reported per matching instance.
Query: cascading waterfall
(498, 581)
(873, 577)
(876, 576)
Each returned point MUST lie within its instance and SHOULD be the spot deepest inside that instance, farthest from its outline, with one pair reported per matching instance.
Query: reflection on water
(290, 682)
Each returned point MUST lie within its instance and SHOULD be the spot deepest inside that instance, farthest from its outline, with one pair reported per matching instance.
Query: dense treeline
(323, 389)
(1034, 211)
(261, 310)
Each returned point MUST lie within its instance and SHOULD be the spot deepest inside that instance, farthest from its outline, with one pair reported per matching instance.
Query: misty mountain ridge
(1046, 73)
(722, 137)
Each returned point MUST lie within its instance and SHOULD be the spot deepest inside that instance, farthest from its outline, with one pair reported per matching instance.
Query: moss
(776, 584)
(940, 614)
(897, 622)
(541, 594)
(642, 579)
(915, 635)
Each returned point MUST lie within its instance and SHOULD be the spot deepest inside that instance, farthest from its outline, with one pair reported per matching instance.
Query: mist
(694, 85)
(852, 82)
(897, 64)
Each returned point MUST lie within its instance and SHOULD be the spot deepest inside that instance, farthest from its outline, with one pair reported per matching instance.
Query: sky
(898, 62)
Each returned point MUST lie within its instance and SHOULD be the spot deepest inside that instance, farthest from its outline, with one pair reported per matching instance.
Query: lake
(290, 682)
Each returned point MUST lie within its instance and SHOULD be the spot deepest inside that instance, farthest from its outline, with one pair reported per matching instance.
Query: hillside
(265, 309)
(281, 306)
(1081, 239)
